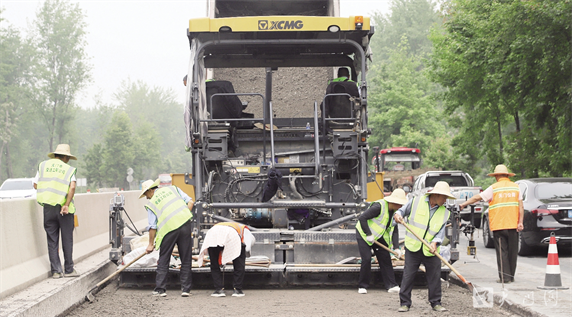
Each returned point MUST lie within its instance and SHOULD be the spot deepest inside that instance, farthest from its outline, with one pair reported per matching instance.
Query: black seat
(223, 107)
(340, 106)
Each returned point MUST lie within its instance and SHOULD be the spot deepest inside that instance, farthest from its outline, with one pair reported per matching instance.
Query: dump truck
(275, 142)
(400, 165)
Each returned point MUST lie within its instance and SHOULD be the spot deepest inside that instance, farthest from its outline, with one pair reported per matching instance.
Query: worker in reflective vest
(169, 215)
(343, 75)
(56, 183)
(506, 212)
(375, 224)
(225, 242)
(427, 216)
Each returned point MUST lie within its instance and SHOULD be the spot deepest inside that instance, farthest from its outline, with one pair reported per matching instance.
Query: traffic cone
(552, 280)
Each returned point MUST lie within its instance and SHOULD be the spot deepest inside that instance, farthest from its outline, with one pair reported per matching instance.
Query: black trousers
(182, 237)
(433, 276)
(54, 224)
(239, 266)
(384, 259)
(507, 252)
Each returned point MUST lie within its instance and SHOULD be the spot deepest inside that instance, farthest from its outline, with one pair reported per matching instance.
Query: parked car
(547, 208)
(462, 187)
(17, 188)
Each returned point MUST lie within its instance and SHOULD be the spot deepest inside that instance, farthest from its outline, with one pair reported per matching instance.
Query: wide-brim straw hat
(147, 185)
(62, 149)
(501, 170)
(397, 197)
(442, 188)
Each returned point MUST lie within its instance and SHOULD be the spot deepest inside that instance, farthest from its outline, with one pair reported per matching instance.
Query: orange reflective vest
(237, 226)
(503, 208)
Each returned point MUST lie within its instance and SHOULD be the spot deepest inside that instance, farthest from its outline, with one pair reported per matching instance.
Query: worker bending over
(225, 242)
(169, 215)
(375, 224)
(427, 217)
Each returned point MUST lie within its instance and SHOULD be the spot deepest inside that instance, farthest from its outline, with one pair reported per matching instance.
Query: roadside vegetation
(472, 83)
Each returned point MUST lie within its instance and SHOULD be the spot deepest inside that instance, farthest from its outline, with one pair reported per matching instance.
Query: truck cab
(462, 187)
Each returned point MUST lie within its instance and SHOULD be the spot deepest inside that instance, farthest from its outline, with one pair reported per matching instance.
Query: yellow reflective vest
(378, 226)
(171, 211)
(54, 178)
(425, 226)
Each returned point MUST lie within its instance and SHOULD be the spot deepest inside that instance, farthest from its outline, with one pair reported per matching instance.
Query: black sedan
(547, 208)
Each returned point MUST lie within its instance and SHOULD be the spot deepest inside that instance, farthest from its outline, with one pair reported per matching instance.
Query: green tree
(156, 106)
(14, 96)
(118, 151)
(402, 110)
(506, 66)
(61, 66)
(410, 18)
(92, 166)
(147, 150)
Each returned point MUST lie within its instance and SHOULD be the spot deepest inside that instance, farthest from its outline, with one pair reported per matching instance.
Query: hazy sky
(141, 40)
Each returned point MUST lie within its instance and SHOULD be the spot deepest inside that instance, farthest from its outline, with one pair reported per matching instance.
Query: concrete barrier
(23, 247)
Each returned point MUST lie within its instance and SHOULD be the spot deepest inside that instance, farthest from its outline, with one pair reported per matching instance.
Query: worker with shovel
(169, 215)
(375, 224)
(426, 218)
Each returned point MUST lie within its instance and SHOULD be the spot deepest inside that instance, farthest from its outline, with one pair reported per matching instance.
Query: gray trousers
(54, 224)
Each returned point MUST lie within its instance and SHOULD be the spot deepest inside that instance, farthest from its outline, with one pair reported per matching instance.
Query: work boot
(218, 293)
(439, 308)
(57, 275)
(74, 273)
(403, 309)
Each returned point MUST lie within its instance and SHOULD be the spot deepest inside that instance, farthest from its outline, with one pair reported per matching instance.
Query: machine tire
(487, 234)
(523, 247)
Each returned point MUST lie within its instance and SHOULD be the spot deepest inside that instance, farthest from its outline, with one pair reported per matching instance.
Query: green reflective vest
(171, 211)
(377, 225)
(424, 226)
(54, 178)
(340, 79)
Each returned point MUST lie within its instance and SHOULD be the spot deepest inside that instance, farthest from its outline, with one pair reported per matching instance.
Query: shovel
(90, 295)
(469, 284)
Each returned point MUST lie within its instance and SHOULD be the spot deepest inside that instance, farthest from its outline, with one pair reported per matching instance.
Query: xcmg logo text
(280, 25)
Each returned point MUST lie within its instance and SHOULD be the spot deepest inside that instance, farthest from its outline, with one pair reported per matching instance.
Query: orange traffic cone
(552, 279)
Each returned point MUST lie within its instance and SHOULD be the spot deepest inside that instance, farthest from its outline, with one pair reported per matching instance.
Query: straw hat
(501, 170)
(442, 188)
(62, 149)
(147, 185)
(397, 197)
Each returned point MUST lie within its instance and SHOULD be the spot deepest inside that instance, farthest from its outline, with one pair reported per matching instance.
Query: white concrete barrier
(23, 247)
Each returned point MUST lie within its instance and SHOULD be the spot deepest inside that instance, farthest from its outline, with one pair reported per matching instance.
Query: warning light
(359, 22)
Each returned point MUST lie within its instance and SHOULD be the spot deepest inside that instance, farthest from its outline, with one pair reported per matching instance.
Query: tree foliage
(410, 18)
(15, 78)
(506, 66)
(60, 67)
(117, 154)
(402, 111)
